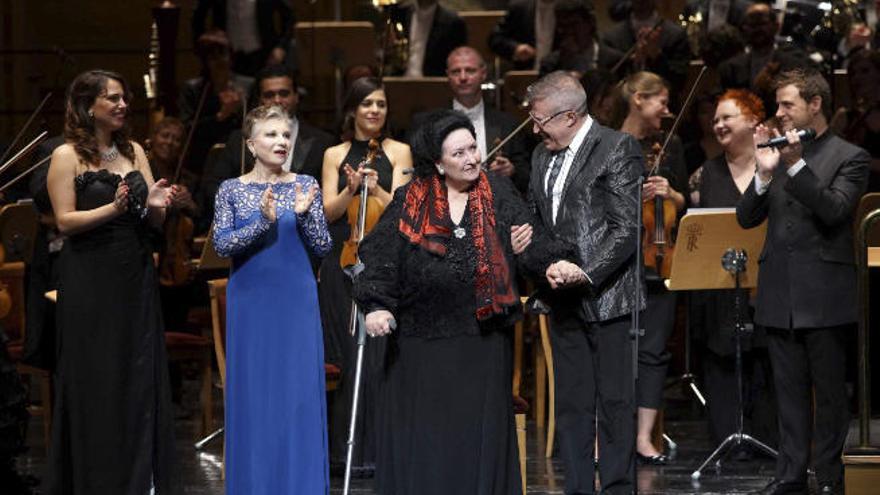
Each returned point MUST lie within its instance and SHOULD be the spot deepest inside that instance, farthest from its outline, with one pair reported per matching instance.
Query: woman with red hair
(719, 183)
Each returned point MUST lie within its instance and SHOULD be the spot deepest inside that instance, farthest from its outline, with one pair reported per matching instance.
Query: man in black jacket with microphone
(808, 192)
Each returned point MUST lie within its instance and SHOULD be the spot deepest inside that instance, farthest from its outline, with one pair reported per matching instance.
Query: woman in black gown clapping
(112, 429)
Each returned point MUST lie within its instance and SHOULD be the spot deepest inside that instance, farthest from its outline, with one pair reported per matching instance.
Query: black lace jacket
(433, 296)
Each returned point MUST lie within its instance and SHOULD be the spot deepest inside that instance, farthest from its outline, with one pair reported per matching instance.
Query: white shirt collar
(425, 12)
(579, 137)
(473, 113)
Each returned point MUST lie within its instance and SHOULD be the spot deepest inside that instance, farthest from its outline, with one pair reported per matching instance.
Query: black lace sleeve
(378, 285)
(544, 248)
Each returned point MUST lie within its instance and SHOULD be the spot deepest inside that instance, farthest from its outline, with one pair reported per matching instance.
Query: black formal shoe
(780, 487)
(652, 460)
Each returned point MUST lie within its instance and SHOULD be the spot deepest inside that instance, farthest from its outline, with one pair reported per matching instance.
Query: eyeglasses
(541, 123)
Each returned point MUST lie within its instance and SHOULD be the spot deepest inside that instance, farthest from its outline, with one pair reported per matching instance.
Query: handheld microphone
(778, 142)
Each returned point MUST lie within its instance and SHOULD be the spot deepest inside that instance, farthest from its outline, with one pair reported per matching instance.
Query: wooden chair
(12, 277)
(520, 405)
(545, 379)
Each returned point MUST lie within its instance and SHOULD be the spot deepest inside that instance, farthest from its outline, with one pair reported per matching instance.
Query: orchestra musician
(646, 97)
(365, 110)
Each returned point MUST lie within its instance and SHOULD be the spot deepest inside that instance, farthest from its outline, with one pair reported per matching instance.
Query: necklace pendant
(459, 232)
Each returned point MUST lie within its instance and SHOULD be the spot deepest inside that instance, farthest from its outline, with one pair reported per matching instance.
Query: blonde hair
(261, 114)
(646, 83)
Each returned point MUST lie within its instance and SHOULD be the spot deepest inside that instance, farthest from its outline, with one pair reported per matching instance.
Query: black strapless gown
(112, 431)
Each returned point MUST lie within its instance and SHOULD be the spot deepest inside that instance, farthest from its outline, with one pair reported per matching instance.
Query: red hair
(747, 102)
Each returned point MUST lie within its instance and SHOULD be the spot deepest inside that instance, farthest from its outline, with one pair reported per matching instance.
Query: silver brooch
(459, 232)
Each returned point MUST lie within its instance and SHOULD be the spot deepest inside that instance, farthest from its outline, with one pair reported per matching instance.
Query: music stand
(18, 227)
(209, 259)
(706, 236)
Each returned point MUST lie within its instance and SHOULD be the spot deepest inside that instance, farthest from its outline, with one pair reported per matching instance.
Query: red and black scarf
(425, 221)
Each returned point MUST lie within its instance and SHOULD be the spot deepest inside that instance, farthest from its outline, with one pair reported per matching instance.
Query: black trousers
(658, 320)
(805, 361)
(593, 367)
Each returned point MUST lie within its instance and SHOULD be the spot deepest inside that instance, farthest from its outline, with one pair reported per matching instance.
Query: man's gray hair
(562, 89)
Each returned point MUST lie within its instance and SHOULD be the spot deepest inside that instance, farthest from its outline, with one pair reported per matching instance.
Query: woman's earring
(92, 113)
(441, 171)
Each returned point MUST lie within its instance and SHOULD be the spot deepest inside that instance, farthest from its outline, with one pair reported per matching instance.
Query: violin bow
(243, 139)
(192, 130)
(26, 125)
(677, 120)
(629, 53)
(505, 140)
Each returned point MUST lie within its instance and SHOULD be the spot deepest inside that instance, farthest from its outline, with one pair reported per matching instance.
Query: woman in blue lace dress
(276, 426)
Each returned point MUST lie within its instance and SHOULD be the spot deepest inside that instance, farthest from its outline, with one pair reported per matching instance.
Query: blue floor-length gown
(276, 426)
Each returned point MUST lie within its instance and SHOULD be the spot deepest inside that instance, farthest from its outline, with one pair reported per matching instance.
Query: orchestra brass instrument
(693, 26)
(395, 45)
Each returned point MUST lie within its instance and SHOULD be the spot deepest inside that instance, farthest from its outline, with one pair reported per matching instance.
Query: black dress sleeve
(378, 285)
(544, 249)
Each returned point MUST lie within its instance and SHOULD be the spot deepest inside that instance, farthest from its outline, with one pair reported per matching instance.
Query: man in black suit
(578, 48)
(433, 31)
(525, 35)
(584, 187)
(663, 50)
(466, 71)
(258, 37)
(756, 68)
(275, 85)
(807, 281)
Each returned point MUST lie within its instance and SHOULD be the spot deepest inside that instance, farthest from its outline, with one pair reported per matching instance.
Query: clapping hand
(181, 198)
(120, 201)
(352, 178)
(302, 202)
(159, 195)
(564, 274)
(268, 205)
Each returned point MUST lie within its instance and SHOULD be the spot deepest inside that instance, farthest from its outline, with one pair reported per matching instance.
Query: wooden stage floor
(200, 471)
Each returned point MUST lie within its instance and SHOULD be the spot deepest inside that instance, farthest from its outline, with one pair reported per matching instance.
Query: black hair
(426, 144)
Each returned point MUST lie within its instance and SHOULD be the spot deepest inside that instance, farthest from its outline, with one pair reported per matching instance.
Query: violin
(175, 267)
(658, 220)
(175, 262)
(659, 216)
(374, 211)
